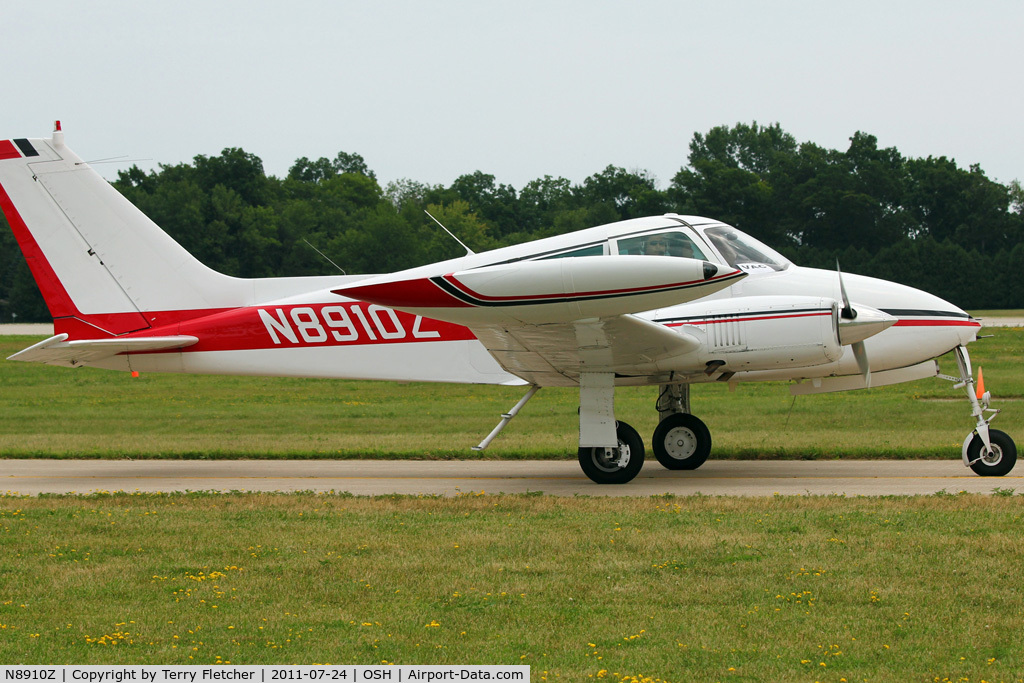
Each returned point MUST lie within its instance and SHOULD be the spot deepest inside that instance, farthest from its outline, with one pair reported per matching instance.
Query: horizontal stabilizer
(58, 351)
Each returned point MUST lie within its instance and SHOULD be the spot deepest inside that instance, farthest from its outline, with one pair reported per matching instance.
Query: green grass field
(59, 412)
(659, 588)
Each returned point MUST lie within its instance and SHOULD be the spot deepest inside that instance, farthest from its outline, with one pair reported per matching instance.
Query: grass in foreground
(58, 412)
(679, 589)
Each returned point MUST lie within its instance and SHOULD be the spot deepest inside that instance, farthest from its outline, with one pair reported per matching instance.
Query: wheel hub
(680, 443)
(994, 457)
(611, 459)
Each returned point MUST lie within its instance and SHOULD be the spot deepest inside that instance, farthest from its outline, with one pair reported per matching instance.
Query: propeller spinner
(857, 324)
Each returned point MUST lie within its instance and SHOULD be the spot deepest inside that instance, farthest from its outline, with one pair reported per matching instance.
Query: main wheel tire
(617, 465)
(997, 463)
(681, 442)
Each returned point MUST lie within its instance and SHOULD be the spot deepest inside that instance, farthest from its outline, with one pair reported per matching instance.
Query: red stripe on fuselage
(936, 323)
(306, 326)
(748, 319)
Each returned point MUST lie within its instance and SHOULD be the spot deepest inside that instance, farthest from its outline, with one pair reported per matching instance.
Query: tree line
(924, 222)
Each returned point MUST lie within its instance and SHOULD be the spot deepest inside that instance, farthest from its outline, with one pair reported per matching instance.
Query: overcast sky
(433, 90)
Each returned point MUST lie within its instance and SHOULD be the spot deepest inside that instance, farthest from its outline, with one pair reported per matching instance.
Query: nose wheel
(996, 462)
(989, 452)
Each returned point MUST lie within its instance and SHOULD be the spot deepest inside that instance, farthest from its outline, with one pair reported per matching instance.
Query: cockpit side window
(742, 251)
(669, 243)
(592, 250)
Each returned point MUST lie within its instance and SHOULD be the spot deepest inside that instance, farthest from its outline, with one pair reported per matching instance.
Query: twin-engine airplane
(667, 301)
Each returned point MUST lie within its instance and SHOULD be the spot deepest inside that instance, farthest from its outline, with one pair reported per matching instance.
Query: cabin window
(592, 250)
(672, 243)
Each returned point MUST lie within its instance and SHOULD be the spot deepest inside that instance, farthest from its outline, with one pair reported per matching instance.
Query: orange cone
(981, 384)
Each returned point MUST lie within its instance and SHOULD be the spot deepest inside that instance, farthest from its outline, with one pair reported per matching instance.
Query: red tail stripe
(8, 150)
(56, 297)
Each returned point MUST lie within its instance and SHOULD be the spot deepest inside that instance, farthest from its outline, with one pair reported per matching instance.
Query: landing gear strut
(611, 452)
(681, 440)
(989, 452)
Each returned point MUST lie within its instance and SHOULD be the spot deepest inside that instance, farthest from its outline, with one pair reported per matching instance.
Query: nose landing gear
(989, 452)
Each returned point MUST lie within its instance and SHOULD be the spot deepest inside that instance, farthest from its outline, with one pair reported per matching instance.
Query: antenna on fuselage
(325, 256)
(469, 252)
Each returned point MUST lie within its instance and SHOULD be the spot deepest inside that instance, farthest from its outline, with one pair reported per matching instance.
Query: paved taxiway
(562, 478)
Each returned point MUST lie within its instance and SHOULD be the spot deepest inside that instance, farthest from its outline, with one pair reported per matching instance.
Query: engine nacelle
(758, 333)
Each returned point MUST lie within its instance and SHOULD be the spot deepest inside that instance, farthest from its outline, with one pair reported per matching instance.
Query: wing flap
(58, 351)
(556, 353)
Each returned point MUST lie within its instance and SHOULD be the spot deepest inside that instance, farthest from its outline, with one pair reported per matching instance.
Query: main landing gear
(989, 452)
(681, 441)
(614, 464)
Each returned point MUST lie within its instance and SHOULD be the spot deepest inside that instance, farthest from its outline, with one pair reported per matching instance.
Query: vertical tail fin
(97, 259)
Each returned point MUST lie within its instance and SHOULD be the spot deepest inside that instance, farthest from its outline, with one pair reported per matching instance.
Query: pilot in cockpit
(656, 245)
(670, 243)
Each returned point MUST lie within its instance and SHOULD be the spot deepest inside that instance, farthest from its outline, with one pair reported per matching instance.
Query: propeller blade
(848, 312)
(861, 354)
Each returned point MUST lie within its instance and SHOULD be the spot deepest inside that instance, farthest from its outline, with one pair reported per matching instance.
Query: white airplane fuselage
(320, 334)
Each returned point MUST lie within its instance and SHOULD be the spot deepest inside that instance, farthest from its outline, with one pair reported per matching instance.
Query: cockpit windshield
(742, 251)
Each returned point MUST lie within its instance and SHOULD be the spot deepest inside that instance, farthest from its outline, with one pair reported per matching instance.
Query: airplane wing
(556, 353)
(549, 321)
(58, 351)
